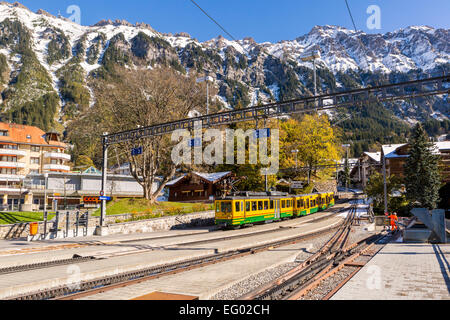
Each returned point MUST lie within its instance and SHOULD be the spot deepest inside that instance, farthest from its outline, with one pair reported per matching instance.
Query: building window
(4, 133)
(8, 171)
(34, 171)
(9, 146)
(8, 159)
(35, 149)
(34, 160)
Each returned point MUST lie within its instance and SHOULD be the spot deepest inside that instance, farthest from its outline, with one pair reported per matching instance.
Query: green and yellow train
(251, 208)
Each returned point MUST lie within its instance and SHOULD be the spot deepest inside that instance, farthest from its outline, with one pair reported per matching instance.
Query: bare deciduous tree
(145, 98)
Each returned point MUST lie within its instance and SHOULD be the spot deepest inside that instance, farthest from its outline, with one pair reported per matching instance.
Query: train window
(283, 204)
(266, 205)
(254, 206)
(218, 207)
(238, 207)
(271, 205)
(298, 203)
(247, 206)
(242, 205)
(260, 205)
(226, 207)
(307, 204)
(302, 203)
(289, 203)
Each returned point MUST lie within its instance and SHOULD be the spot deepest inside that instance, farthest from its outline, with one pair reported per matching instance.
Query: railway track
(91, 287)
(331, 258)
(83, 259)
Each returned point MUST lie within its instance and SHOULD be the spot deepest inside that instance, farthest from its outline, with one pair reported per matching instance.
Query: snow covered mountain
(46, 63)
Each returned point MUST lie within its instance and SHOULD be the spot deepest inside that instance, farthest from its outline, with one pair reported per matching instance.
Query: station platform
(402, 271)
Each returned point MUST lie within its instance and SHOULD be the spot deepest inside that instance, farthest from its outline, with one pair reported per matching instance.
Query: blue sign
(262, 133)
(195, 142)
(105, 198)
(137, 151)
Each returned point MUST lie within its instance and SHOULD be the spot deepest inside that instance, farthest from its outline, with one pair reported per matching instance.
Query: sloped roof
(389, 151)
(376, 156)
(92, 170)
(175, 181)
(211, 177)
(20, 133)
(443, 145)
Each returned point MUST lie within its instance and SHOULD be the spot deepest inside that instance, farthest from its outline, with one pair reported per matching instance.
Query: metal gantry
(385, 93)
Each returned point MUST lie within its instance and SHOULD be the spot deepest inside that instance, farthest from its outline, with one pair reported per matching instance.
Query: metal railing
(71, 221)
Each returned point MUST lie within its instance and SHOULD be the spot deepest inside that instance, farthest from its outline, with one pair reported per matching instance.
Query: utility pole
(312, 56)
(385, 186)
(104, 179)
(206, 79)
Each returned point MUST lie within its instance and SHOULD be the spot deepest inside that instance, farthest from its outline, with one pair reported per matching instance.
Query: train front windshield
(224, 207)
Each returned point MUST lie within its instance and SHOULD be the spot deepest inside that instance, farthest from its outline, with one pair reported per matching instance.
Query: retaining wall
(22, 230)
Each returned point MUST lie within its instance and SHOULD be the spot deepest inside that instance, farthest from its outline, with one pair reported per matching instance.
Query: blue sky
(264, 20)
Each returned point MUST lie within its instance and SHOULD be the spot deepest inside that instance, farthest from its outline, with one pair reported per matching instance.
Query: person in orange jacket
(394, 219)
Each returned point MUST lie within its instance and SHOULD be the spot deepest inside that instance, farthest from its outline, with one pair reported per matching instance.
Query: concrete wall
(160, 224)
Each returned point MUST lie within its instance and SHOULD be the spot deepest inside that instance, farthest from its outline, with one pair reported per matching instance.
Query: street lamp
(206, 79)
(312, 56)
(347, 146)
(45, 204)
(296, 158)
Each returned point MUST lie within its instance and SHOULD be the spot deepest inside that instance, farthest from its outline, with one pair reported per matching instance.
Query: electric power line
(213, 20)
(351, 16)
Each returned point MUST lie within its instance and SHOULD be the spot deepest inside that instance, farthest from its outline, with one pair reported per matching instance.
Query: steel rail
(384, 93)
(95, 286)
(47, 264)
(316, 264)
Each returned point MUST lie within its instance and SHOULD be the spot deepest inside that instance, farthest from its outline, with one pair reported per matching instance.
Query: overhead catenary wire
(213, 20)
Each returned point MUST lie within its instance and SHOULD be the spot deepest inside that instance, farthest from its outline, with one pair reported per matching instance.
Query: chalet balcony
(57, 155)
(56, 167)
(13, 165)
(12, 152)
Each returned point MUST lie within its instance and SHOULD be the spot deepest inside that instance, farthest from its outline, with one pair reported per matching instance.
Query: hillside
(47, 65)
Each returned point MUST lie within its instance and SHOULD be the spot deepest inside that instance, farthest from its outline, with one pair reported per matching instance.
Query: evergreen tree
(422, 178)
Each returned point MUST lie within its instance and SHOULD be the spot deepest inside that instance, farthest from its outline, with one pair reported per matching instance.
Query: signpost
(195, 143)
(297, 185)
(262, 133)
(136, 151)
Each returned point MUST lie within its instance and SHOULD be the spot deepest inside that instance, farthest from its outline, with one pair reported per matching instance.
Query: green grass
(142, 208)
(139, 208)
(21, 217)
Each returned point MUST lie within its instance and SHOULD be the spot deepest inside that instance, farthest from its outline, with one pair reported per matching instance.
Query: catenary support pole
(104, 179)
(385, 186)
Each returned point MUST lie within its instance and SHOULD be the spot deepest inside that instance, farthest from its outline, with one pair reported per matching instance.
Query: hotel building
(27, 150)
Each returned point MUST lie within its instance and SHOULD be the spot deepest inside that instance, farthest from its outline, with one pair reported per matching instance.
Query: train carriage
(251, 208)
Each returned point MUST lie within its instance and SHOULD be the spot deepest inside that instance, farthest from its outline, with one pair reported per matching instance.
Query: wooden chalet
(197, 186)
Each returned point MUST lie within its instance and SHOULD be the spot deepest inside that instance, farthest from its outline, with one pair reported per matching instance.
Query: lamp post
(206, 79)
(45, 204)
(312, 56)
(347, 146)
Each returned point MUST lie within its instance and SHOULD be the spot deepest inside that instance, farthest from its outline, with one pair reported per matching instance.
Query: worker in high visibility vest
(394, 219)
